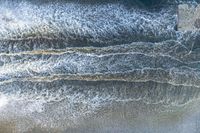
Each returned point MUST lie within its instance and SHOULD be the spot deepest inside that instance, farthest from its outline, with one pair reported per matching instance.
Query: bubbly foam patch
(3, 101)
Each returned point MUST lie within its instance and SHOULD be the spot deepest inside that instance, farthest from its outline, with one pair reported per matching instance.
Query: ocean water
(97, 66)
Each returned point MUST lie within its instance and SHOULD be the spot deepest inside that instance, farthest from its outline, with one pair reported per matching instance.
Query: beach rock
(188, 17)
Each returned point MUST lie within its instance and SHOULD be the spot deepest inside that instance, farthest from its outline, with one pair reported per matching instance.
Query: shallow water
(97, 66)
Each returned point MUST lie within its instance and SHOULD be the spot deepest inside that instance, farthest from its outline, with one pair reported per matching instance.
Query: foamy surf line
(24, 24)
(27, 26)
(30, 106)
(97, 66)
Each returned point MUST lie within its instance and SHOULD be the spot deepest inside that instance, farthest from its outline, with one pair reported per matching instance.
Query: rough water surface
(97, 67)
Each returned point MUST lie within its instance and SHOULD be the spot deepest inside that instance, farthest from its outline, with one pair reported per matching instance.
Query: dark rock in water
(82, 66)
